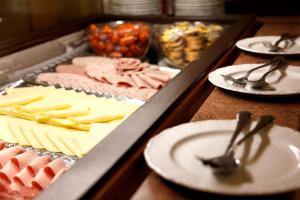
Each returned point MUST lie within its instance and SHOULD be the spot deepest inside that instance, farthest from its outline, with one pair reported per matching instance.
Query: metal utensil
(262, 83)
(275, 47)
(226, 163)
(242, 81)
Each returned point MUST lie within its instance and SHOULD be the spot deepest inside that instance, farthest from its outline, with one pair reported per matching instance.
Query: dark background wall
(263, 7)
(21, 17)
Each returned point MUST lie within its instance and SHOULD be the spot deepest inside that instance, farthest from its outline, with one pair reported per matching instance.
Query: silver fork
(242, 81)
(275, 47)
(260, 83)
(272, 47)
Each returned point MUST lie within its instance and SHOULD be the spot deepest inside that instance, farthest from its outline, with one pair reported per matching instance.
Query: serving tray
(99, 173)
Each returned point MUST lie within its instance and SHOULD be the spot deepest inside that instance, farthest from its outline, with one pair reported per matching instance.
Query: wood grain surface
(223, 104)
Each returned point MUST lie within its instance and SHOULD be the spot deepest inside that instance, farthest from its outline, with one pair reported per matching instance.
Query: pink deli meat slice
(26, 175)
(47, 174)
(128, 65)
(126, 81)
(16, 164)
(94, 61)
(151, 82)
(2, 144)
(139, 82)
(158, 75)
(8, 153)
(84, 83)
(71, 69)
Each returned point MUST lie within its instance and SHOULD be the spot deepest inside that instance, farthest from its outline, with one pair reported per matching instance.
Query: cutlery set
(275, 47)
(226, 163)
(253, 79)
(274, 64)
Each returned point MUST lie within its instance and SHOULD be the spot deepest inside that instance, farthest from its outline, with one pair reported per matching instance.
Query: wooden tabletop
(223, 104)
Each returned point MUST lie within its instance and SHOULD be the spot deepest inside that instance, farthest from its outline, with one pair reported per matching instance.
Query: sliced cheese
(12, 111)
(44, 107)
(54, 139)
(18, 135)
(71, 112)
(97, 118)
(69, 143)
(68, 123)
(41, 135)
(5, 132)
(19, 100)
(98, 132)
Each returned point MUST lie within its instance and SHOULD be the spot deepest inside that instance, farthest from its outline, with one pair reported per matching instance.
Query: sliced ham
(47, 173)
(98, 72)
(4, 187)
(158, 75)
(139, 82)
(151, 82)
(8, 153)
(94, 61)
(58, 174)
(126, 81)
(23, 192)
(82, 82)
(128, 65)
(53, 167)
(26, 175)
(15, 165)
(2, 144)
(71, 69)
(22, 160)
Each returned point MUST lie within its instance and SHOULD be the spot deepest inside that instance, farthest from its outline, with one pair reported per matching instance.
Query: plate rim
(213, 76)
(167, 176)
(241, 45)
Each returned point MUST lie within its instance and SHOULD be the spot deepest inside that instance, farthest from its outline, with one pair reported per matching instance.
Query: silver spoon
(285, 36)
(226, 163)
(243, 118)
(261, 83)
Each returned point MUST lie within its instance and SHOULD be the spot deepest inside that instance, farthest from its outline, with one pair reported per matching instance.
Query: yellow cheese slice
(97, 118)
(18, 134)
(30, 136)
(98, 132)
(69, 143)
(19, 100)
(57, 142)
(68, 123)
(44, 107)
(14, 112)
(5, 132)
(41, 134)
(71, 112)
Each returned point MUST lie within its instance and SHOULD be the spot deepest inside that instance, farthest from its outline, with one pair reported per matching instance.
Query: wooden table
(222, 104)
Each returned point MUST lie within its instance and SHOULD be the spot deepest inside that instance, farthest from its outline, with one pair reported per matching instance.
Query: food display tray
(123, 146)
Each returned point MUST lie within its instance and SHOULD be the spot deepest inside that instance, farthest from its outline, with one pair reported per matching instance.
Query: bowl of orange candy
(120, 39)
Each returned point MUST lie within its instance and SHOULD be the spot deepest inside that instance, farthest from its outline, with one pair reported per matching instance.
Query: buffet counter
(222, 104)
(115, 168)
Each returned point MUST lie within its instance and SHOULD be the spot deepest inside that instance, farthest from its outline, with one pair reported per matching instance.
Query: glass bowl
(183, 42)
(120, 39)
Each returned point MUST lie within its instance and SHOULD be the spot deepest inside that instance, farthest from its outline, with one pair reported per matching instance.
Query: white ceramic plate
(255, 45)
(286, 83)
(272, 159)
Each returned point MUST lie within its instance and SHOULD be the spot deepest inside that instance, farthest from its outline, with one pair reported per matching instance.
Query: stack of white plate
(135, 7)
(199, 7)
